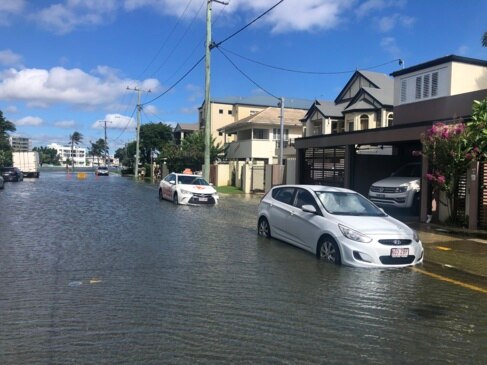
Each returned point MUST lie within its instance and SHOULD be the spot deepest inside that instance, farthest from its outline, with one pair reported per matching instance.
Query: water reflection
(100, 271)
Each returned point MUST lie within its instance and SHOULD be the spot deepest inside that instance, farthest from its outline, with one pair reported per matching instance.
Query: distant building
(20, 144)
(78, 155)
(182, 130)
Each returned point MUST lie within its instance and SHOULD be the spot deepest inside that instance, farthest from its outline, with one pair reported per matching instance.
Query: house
(228, 110)
(182, 130)
(439, 90)
(77, 155)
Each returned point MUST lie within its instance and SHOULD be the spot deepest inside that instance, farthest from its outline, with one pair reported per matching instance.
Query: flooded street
(99, 271)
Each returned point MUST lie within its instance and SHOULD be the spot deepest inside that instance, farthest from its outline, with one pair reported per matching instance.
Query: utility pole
(281, 139)
(106, 145)
(209, 46)
(137, 138)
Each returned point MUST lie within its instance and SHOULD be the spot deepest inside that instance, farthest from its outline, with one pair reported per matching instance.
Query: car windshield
(412, 170)
(191, 180)
(348, 203)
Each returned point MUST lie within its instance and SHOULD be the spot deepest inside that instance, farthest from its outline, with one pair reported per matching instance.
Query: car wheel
(160, 194)
(263, 228)
(175, 199)
(328, 250)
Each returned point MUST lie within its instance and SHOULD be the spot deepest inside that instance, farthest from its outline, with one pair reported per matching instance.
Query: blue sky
(65, 65)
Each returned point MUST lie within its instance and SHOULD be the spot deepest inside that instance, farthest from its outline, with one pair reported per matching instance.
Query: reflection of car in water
(337, 225)
(187, 189)
(400, 190)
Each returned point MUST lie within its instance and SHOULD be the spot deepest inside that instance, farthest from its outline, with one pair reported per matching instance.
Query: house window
(434, 84)
(418, 87)
(220, 111)
(276, 134)
(230, 112)
(261, 134)
(404, 89)
(350, 126)
(337, 126)
(317, 130)
(426, 86)
(364, 122)
(390, 119)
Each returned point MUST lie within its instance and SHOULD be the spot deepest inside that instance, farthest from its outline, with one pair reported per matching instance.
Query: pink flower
(430, 177)
(468, 156)
(441, 180)
(476, 150)
(445, 134)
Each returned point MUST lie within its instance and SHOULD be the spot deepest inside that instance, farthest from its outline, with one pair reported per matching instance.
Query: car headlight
(353, 235)
(185, 192)
(401, 189)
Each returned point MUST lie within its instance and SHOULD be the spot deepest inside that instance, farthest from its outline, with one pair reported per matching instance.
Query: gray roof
(267, 117)
(329, 108)
(379, 79)
(264, 100)
(186, 127)
(384, 96)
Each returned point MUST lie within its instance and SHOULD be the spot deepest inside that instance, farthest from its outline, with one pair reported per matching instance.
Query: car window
(284, 195)
(199, 181)
(304, 197)
(185, 179)
(170, 177)
(409, 170)
(345, 203)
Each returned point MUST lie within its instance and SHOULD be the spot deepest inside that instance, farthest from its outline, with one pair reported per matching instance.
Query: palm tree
(484, 40)
(75, 139)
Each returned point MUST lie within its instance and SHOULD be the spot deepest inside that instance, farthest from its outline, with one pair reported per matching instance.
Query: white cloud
(31, 121)
(150, 109)
(388, 23)
(42, 87)
(65, 17)
(12, 109)
(389, 44)
(65, 124)
(372, 6)
(9, 8)
(115, 121)
(9, 58)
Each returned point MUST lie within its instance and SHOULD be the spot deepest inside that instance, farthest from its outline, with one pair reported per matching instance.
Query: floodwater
(99, 271)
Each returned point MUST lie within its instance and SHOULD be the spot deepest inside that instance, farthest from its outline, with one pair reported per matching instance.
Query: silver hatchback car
(337, 225)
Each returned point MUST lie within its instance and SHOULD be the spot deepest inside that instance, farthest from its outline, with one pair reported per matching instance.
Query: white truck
(27, 162)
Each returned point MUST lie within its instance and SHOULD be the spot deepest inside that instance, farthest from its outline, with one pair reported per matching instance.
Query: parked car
(11, 174)
(187, 189)
(1, 183)
(102, 171)
(337, 225)
(400, 190)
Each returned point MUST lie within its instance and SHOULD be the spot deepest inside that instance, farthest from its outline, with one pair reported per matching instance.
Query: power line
(245, 75)
(248, 25)
(311, 72)
(176, 83)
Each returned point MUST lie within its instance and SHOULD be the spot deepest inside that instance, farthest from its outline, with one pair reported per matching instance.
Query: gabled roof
(440, 61)
(376, 79)
(267, 117)
(186, 127)
(326, 108)
(381, 97)
(262, 101)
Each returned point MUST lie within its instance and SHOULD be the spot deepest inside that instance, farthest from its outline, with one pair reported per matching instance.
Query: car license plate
(203, 199)
(399, 252)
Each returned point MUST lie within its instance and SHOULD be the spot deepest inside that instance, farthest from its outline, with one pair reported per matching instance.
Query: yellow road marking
(456, 282)
(442, 248)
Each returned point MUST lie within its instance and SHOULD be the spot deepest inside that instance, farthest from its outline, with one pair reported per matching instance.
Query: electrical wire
(245, 75)
(176, 83)
(309, 72)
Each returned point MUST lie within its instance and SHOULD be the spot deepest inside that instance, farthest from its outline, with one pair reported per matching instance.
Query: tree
(75, 139)
(47, 156)
(484, 40)
(153, 136)
(98, 149)
(5, 148)
(451, 149)
(126, 155)
(191, 153)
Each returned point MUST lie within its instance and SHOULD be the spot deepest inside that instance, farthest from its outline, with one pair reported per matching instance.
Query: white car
(400, 190)
(187, 189)
(337, 225)
(102, 171)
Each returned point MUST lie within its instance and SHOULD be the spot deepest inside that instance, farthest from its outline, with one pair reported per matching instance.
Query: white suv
(400, 190)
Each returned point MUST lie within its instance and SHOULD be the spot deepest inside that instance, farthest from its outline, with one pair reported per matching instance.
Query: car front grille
(381, 189)
(388, 260)
(395, 242)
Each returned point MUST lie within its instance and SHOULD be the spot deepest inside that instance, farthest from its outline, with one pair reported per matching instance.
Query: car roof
(181, 174)
(316, 188)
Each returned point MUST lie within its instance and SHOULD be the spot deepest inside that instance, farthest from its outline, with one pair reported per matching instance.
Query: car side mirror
(172, 182)
(308, 208)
